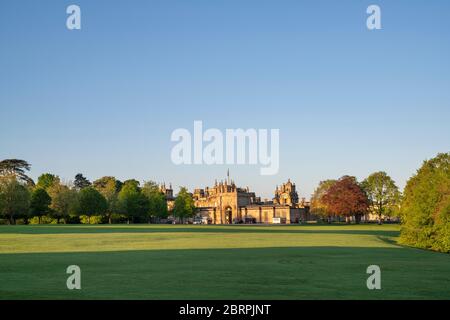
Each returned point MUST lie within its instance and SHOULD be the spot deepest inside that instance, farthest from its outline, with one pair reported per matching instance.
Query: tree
(109, 187)
(40, 203)
(383, 194)
(318, 206)
(46, 180)
(184, 205)
(91, 203)
(132, 203)
(106, 181)
(157, 200)
(346, 198)
(81, 182)
(134, 182)
(16, 168)
(64, 201)
(14, 198)
(425, 210)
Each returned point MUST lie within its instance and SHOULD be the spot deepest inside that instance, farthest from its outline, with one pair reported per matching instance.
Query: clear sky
(105, 99)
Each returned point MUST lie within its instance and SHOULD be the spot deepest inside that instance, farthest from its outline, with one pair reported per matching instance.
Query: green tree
(157, 200)
(64, 201)
(14, 199)
(109, 187)
(132, 203)
(17, 168)
(318, 206)
(46, 180)
(383, 194)
(40, 203)
(425, 209)
(134, 182)
(107, 181)
(184, 205)
(91, 203)
(81, 182)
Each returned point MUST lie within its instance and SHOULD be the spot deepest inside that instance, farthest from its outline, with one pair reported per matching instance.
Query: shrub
(44, 220)
(92, 219)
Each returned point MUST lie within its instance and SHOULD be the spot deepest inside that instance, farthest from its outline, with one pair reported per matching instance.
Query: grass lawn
(216, 262)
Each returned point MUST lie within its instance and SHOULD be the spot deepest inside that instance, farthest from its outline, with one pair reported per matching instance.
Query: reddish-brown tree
(346, 198)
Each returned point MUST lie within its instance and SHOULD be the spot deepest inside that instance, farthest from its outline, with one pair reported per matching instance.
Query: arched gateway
(228, 215)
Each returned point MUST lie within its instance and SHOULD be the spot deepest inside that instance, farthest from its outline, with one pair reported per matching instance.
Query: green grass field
(216, 262)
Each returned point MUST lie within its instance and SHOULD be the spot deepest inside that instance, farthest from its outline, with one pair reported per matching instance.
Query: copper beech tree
(346, 198)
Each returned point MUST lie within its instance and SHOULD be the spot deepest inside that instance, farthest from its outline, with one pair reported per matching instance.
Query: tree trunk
(39, 219)
(109, 219)
(379, 218)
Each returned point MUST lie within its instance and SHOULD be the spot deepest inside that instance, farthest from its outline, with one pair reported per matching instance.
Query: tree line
(347, 199)
(105, 200)
(423, 208)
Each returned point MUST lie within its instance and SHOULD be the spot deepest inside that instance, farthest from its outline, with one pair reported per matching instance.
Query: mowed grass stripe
(82, 242)
(348, 229)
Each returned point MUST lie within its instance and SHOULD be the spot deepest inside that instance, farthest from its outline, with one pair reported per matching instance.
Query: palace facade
(225, 203)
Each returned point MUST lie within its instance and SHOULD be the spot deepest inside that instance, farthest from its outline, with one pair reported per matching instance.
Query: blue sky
(104, 100)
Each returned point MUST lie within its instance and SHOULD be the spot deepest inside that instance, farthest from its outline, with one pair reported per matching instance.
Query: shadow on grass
(241, 273)
(389, 240)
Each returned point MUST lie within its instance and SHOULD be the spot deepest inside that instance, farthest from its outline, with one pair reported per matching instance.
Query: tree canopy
(383, 194)
(132, 203)
(14, 199)
(40, 203)
(318, 205)
(109, 187)
(184, 205)
(64, 201)
(157, 201)
(106, 183)
(346, 198)
(46, 180)
(425, 208)
(17, 168)
(81, 182)
(91, 203)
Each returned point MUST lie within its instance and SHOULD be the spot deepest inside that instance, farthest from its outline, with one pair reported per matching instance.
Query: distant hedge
(426, 206)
